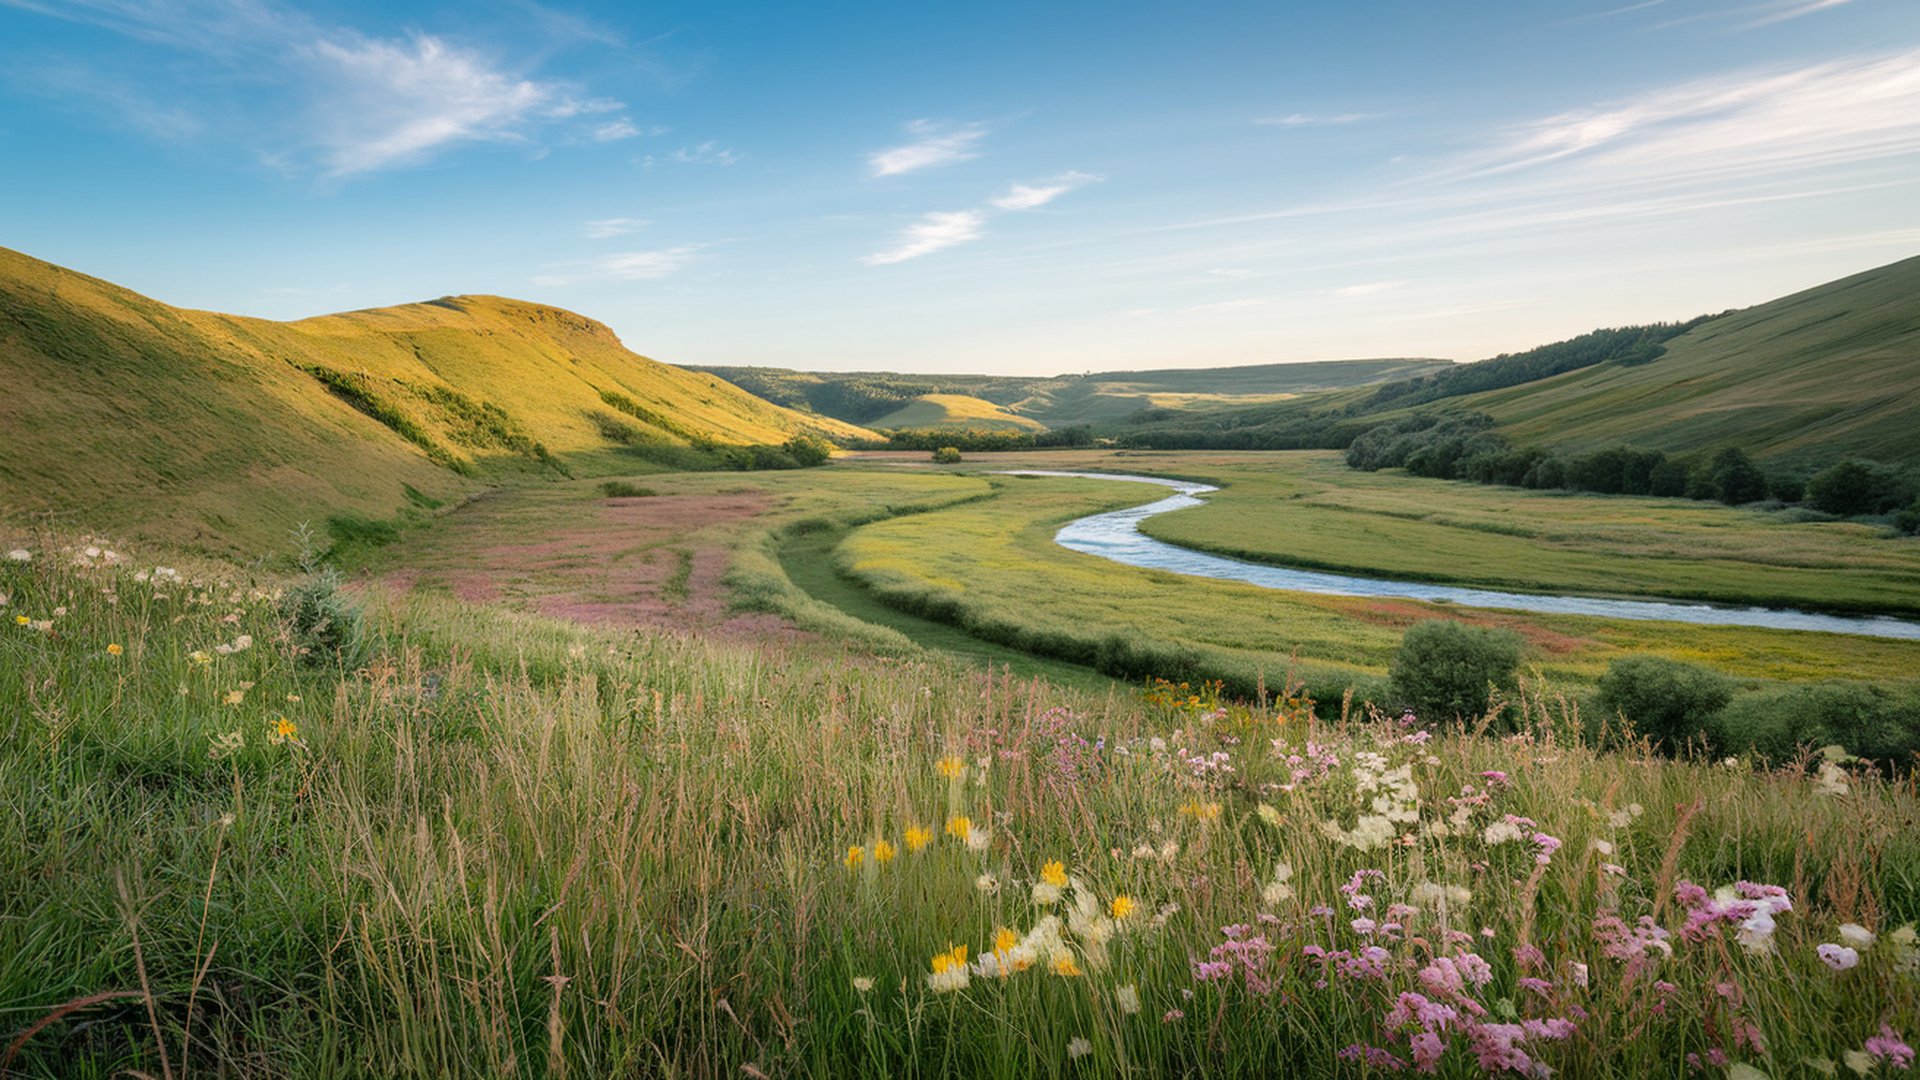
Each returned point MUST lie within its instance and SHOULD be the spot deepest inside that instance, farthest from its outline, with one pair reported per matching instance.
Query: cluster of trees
(1626, 345)
(1445, 671)
(1465, 447)
(980, 440)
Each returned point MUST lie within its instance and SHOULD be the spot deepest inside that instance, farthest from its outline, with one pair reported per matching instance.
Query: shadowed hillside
(223, 431)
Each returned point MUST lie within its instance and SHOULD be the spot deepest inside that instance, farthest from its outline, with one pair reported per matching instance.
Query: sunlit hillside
(238, 428)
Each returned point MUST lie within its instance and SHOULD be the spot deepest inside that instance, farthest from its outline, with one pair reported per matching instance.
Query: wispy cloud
(1042, 192)
(1793, 10)
(610, 227)
(623, 266)
(1314, 120)
(707, 153)
(936, 231)
(312, 97)
(933, 144)
(1367, 288)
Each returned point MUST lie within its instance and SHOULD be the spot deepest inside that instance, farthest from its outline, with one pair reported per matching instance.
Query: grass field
(501, 845)
(955, 411)
(981, 564)
(1307, 509)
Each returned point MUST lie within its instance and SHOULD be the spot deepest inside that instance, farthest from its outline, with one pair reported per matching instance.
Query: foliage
(1447, 670)
(1855, 487)
(947, 455)
(1881, 723)
(625, 489)
(1668, 701)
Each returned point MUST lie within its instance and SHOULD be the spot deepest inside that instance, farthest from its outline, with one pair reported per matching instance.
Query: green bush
(324, 624)
(1870, 721)
(1670, 701)
(1855, 487)
(1908, 520)
(808, 450)
(1447, 670)
(621, 489)
(947, 455)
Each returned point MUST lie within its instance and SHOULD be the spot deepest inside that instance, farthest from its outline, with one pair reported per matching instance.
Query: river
(1116, 535)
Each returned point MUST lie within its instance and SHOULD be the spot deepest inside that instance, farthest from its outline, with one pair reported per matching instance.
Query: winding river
(1116, 535)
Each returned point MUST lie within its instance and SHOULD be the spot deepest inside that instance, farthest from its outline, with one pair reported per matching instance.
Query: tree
(1855, 487)
(947, 455)
(1735, 478)
(1447, 670)
(1665, 699)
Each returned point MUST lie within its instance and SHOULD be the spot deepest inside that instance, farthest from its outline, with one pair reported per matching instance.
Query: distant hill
(121, 412)
(929, 411)
(1803, 381)
(1097, 398)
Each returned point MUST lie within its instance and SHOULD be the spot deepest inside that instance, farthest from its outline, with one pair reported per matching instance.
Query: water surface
(1116, 535)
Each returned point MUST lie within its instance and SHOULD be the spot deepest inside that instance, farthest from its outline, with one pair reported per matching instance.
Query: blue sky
(999, 187)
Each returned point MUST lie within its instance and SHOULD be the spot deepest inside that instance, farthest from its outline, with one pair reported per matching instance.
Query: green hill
(1098, 398)
(961, 411)
(1803, 381)
(219, 431)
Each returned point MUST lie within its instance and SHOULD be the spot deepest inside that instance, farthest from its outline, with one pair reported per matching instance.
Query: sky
(1007, 188)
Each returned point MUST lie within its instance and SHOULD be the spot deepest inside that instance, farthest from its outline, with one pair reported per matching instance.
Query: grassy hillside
(222, 432)
(1099, 398)
(1827, 373)
(1801, 382)
(955, 411)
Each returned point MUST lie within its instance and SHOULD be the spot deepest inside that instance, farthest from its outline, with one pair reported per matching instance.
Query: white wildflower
(1856, 935)
(1128, 999)
(862, 983)
(19, 555)
(1078, 1047)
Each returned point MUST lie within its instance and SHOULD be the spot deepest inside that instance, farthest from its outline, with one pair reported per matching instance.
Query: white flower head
(1078, 1047)
(1856, 935)
(19, 555)
(1128, 999)
(863, 983)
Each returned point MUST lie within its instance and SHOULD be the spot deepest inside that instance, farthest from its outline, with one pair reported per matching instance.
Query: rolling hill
(1802, 381)
(224, 432)
(871, 398)
(960, 411)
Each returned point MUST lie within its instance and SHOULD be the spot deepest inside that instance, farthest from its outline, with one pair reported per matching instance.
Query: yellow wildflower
(855, 856)
(22, 620)
(115, 649)
(1121, 907)
(950, 971)
(918, 837)
(1054, 873)
(1201, 811)
(952, 767)
(882, 852)
(284, 731)
(1004, 940)
(1065, 966)
(959, 827)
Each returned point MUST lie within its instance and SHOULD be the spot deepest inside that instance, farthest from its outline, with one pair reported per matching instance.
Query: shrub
(1734, 479)
(1870, 721)
(1446, 670)
(1856, 487)
(1908, 520)
(621, 489)
(947, 455)
(324, 624)
(1670, 701)
(808, 450)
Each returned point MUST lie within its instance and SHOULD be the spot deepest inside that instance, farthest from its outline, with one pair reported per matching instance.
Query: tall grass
(509, 846)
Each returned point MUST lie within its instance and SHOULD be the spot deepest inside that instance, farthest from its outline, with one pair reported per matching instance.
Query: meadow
(258, 827)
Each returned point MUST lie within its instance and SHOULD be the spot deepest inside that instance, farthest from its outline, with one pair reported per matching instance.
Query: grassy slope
(1809, 378)
(1307, 509)
(955, 411)
(204, 428)
(511, 847)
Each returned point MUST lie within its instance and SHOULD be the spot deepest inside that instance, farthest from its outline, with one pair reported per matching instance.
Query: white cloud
(1368, 288)
(616, 130)
(933, 232)
(1793, 9)
(610, 227)
(934, 144)
(1029, 196)
(707, 153)
(624, 266)
(1312, 120)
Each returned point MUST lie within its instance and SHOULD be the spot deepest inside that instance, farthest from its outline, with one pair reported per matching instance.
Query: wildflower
(959, 827)
(19, 555)
(1121, 907)
(1268, 814)
(1173, 1016)
(855, 856)
(987, 883)
(1054, 873)
(21, 620)
(1856, 935)
(227, 745)
(284, 731)
(977, 839)
(1078, 1047)
(950, 971)
(199, 658)
(293, 699)
(882, 852)
(953, 768)
(1830, 780)
(1890, 1048)
(862, 983)
(235, 697)
(918, 837)
(1065, 966)
(1201, 811)
(115, 649)
(1838, 957)
(1128, 999)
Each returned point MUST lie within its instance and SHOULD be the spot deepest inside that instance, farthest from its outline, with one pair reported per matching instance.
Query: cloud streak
(934, 144)
(624, 266)
(1313, 120)
(935, 231)
(1042, 192)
